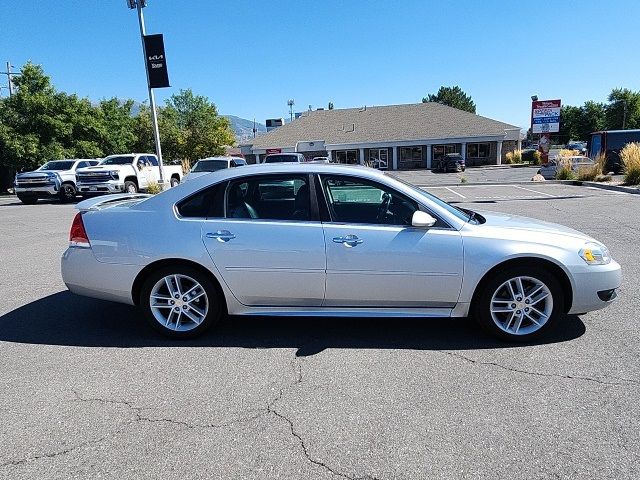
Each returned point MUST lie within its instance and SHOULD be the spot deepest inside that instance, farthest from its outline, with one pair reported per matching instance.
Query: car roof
(221, 158)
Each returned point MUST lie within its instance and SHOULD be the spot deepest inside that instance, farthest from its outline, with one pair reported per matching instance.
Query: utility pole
(291, 103)
(624, 114)
(139, 4)
(8, 73)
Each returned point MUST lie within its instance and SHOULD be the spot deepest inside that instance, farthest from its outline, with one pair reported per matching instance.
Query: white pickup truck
(129, 173)
(56, 178)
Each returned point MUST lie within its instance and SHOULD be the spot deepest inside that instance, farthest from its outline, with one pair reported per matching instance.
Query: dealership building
(394, 137)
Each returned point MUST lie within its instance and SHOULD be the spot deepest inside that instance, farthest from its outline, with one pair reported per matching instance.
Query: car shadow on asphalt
(67, 319)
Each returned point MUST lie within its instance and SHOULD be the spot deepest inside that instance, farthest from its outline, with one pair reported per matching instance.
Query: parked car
(333, 240)
(610, 143)
(284, 158)
(213, 164)
(581, 147)
(321, 160)
(129, 173)
(54, 179)
(451, 162)
(550, 170)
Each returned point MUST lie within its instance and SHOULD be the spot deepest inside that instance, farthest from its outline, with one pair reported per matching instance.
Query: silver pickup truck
(56, 178)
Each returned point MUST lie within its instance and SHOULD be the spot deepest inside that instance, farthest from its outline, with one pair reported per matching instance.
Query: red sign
(271, 151)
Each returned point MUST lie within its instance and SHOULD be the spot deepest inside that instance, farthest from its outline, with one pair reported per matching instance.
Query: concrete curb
(489, 184)
(604, 186)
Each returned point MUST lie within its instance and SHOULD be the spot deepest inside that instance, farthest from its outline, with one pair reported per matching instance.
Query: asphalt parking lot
(89, 391)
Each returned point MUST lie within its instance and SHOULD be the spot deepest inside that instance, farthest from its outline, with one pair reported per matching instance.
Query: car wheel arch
(558, 272)
(136, 289)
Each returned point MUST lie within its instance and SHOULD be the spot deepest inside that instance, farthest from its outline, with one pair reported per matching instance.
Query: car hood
(36, 174)
(528, 226)
(192, 175)
(101, 168)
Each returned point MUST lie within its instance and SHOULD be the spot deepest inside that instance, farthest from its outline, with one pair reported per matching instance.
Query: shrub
(592, 173)
(603, 178)
(508, 158)
(564, 171)
(186, 166)
(463, 179)
(153, 188)
(568, 153)
(537, 158)
(630, 156)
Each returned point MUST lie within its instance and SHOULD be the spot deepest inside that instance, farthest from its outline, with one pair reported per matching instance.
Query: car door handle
(348, 240)
(221, 235)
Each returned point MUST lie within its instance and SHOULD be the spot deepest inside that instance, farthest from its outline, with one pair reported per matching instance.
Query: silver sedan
(331, 240)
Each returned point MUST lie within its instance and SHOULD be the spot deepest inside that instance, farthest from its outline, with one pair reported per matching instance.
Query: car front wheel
(180, 302)
(519, 304)
(67, 192)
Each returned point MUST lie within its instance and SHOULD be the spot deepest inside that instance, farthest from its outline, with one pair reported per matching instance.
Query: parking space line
(535, 191)
(453, 191)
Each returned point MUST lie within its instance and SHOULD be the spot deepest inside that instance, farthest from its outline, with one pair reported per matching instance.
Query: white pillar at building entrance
(428, 147)
(463, 151)
(394, 151)
(362, 156)
(329, 155)
(519, 144)
(499, 153)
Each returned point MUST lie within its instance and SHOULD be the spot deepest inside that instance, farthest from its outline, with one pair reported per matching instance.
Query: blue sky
(249, 57)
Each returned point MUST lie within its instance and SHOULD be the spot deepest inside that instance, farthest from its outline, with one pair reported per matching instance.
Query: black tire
(130, 187)
(175, 182)
(27, 199)
(214, 299)
(481, 309)
(67, 192)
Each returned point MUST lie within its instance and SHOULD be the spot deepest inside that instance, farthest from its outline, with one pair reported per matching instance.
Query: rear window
(280, 158)
(205, 203)
(210, 165)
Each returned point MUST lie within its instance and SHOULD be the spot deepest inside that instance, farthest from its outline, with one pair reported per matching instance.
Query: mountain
(243, 128)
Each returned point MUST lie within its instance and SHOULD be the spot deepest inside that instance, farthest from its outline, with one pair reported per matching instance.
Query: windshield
(58, 165)
(118, 161)
(280, 158)
(458, 212)
(210, 165)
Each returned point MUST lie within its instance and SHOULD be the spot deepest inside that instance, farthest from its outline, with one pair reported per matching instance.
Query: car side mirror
(422, 219)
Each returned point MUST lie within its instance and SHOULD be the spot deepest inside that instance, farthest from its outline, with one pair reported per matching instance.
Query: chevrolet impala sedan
(331, 240)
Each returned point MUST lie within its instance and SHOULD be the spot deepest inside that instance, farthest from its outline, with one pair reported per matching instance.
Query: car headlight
(595, 254)
(114, 173)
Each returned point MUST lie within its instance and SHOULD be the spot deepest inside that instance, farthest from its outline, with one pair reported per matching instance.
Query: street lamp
(139, 5)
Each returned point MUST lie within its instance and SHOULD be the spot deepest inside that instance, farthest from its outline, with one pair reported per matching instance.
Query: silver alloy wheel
(521, 305)
(131, 188)
(179, 303)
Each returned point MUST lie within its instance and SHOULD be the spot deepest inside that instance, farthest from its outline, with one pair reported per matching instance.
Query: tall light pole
(139, 5)
(9, 74)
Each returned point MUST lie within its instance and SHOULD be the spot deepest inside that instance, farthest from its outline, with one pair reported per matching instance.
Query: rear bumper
(40, 192)
(84, 275)
(591, 282)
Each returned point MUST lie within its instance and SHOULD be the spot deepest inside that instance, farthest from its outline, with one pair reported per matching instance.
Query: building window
(478, 150)
(411, 157)
(379, 158)
(440, 151)
(347, 156)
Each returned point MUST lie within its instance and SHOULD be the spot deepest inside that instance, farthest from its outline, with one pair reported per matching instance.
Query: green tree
(452, 96)
(118, 129)
(39, 124)
(191, 127)
(623, 110)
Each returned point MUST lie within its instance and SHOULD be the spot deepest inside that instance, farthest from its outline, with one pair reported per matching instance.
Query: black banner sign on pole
(156, 61)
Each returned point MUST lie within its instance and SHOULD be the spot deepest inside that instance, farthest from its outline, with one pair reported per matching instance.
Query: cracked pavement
(89, 391)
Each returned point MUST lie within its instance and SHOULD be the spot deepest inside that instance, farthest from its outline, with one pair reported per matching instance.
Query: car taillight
(78, 235)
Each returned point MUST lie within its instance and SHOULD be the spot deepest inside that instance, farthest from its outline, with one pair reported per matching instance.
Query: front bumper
(589, 283)
(84, 275)
(40, 192)
(100, 188)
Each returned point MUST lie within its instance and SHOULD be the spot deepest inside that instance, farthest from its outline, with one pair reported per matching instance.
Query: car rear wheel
(519, 304)
(67, 192)
(174, 182)
(180, 302)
